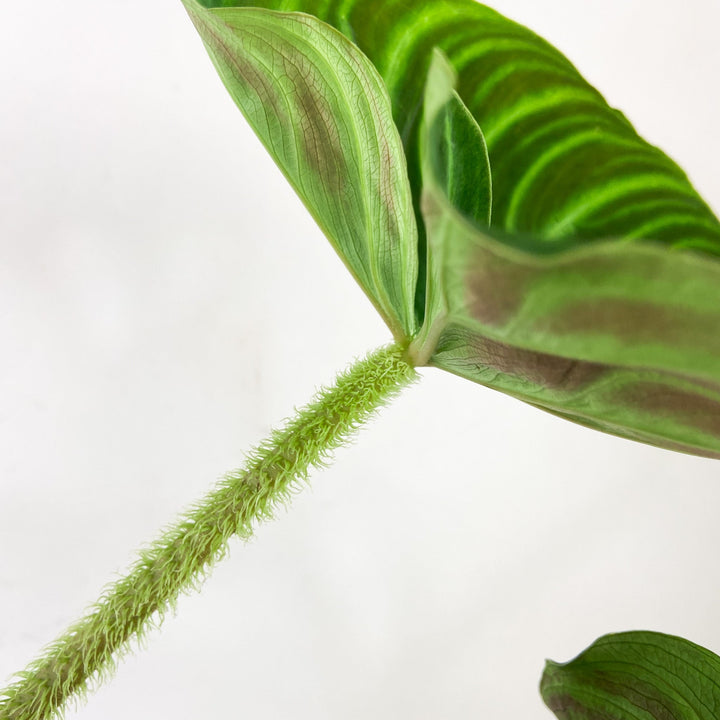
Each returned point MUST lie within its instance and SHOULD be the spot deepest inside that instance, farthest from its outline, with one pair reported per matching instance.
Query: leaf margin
(388, 272)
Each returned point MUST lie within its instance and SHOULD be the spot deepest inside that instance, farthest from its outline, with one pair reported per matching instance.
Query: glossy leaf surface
(635, 676)
(322, 111)
(566, 167)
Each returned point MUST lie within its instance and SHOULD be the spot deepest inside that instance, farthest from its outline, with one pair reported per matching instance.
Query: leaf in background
(322, 111)
(615, 335)
(635, 676)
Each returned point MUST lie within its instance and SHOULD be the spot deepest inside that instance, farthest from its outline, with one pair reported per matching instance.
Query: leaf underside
(322, 111)
(581, 276)
(635, 676)
(615, 335)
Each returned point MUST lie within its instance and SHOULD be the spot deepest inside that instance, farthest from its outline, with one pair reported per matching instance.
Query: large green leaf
(566, 166)
(616, 335)
(454, 154)
(322, 111)
(635, 676)
(595, 292)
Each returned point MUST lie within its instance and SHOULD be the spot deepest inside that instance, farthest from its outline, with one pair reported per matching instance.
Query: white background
(165, 299)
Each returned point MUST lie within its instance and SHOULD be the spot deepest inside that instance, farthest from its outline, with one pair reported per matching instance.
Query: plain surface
(164, 299)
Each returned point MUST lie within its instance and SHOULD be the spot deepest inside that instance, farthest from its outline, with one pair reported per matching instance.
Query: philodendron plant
(510, 228)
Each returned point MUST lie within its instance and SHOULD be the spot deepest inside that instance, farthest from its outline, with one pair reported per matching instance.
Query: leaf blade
(614, 335)
(562, 285)
(601, 179)
(322, 112)
(654, 408)
(634, 675)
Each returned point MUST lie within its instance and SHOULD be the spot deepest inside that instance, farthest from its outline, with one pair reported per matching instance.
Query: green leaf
(615, 335)
(454, 147)
(635, 676)
(454, 154)
(322, 111)
(567, 168)
(594, 293)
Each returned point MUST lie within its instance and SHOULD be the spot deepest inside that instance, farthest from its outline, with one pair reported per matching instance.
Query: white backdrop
(164, 299)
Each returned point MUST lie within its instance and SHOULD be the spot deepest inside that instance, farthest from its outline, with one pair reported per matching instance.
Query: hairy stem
(181, 557)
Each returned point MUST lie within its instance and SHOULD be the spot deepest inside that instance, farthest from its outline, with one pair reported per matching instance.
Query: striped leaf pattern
(566, 166)
(322, 111)
(634, 675)
(582, 332)
(582, 276)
